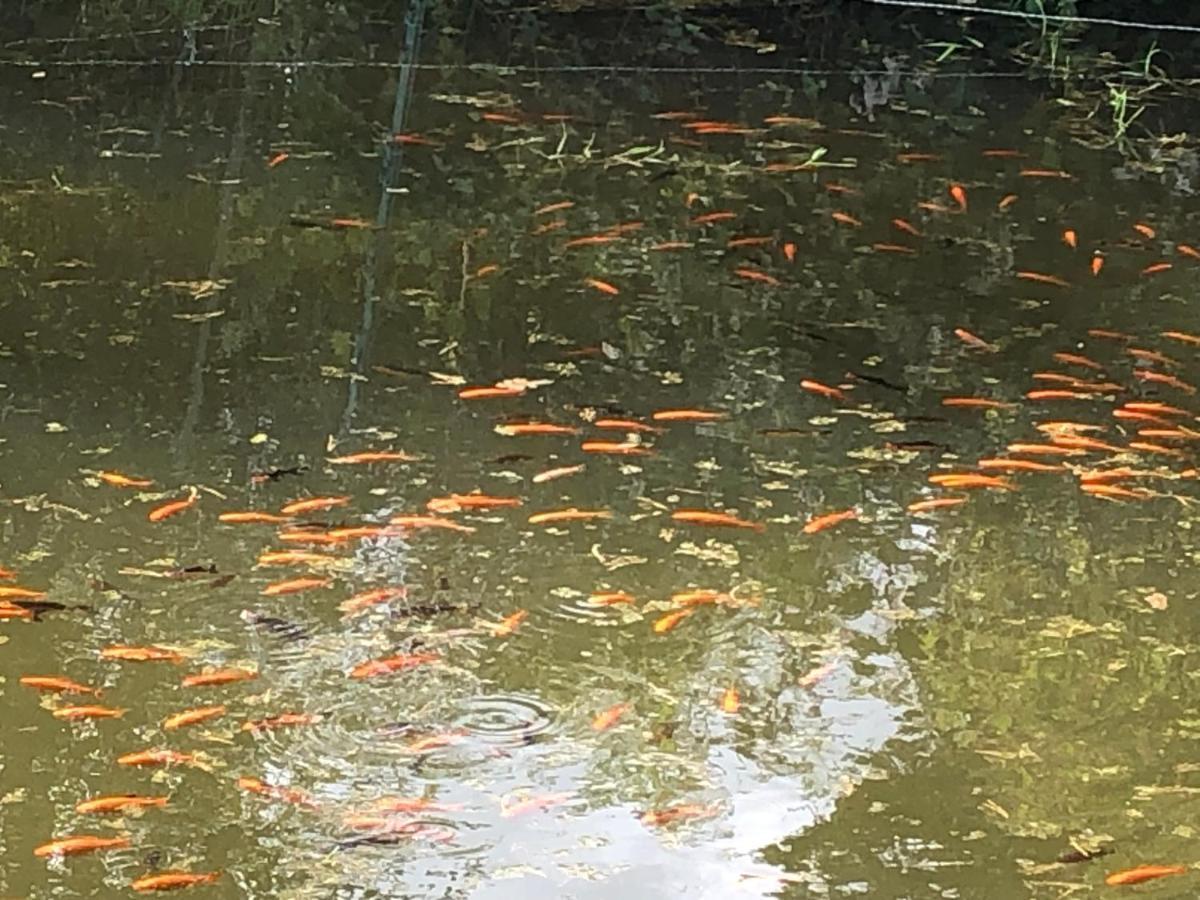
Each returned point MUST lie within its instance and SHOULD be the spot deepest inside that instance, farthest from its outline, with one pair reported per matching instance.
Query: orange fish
(755, 275)
(1160, 378)
(1154, 268)
(367, 599)
(820, 523)
(294, 586)
(251, 517)
(938, 503)
(1111, 335)
(7, 573)
(86, 843)
(1004, 153)
(389, 665)
(749, 241)
(709, 218)
(972, 340)
(917, 157)
(141, 654)
(173, 508)
(515, 429)
(1043, 450)
(665, 623)
(554, 207)
(118, 803)
(192, 717)
(10, 611)
(288, 795)
(1016, 465)
(1044, 173)
(698, 597)
(1070, 239)
(970, 480)
(1076, 359)
(511, 808)
(555, 474)
(294, 557)
(1139, 874)
(1145, 230)
(892, 248)
(959, 194)
(789, 251)
(1097, 263)
(824, 390)
(510, 623)
(1111, 491)
(976, 403)
(434, 742)
(688, 415)
(730, 701)
(277, 159)
(1132, 415)
(607, 719)
(1079, 442)
(1159, 408)
(707, 517)
(116, 479)
(11, 592)
(1043, 279)
(1181, 336)
(1151, 356)
(617, 448)
(602, 286)
(72, 713)
(1006, 201)
(672, 814)
(670, 245)
(845, 219)
(1058, 395)
(371, 456)
(170, 881)
(489, 392)
(610, 598)
(626, 425)
(906, 226)
(156, 758)
(568, 515)
(219, 676)
(283, 720)
(313, 504)
(58, 685)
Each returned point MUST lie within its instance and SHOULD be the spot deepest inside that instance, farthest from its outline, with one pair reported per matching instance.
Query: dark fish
(792, 432)
(1078, 855)
(399, 370)
(662, 175)
(924, 446)
(876, 380)
(192, 572)
(510, 458)
(281, 628)
(222, 581)
(424, 610)
(276, 474)
(40, 607)
(935, 419)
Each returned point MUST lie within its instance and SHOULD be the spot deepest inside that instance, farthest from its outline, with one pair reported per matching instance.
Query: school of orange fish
(1109, 413)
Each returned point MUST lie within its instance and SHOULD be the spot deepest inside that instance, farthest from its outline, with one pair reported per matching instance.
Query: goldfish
(294, 557)
(489, 392)
(688, 415)
(118, 803)
(513, 429)
(509, 624)
(288, 795)
(1155, 268)
(730, 701)
(218, 676)
(555, 474)
(568, 515)
(906, 226)
(1110, 335)
(718, 216)
(626, 425)
(1043, 450)
(283, 720)
(672, 814)
(141, 654)
(388, 665)
(116, 479)
(85, 843)
(789, 251)
(371, 456)
(1070, 238)
(1058, 395)
(820, 523)
(917, 157)
(145, 758)
(502, 118)
(610, 598)
(1016, 465)
(603, 287)
(1160, 378)
(7, 573)
(173, 508)
(1097, 263)
(294, 586)
(756, 275)
(959, 195)
(1187, 250)
(1158, 408)
(252, 518)
(972, 340)
(892, 248)
(671, 245)
(697, 597)
(938, 503)
(434, 742)
(1041, 278)
(1139, 874)
(666, 623)
(511, 808)
(313, 504)
(1150, 356)
(824, 390)
(1080, 442)
(970, 480)
(1111, 491)
(10, 611)
(1077, 360)
(192, 717)
(1044, 173)
(845, 218)
(1137, 416)
(1006, 201)
(170, 881)
(976, 403)
(1181, 336)
(707, 517)
(72, 713)
(58, 685)
(415, 522)
(1144, 230)
(278, 159)
(609, 717)
(554, 207)
(10, 592)
(367, 599)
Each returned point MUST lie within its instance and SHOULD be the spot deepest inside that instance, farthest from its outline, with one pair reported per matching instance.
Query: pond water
(227, 282)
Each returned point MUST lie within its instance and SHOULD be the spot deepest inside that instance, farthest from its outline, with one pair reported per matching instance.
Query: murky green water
(931, 705)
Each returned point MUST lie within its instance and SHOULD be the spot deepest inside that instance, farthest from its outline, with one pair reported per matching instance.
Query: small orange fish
(1044, 173)
(688, 415)
(892, 248)
(707, 517)
(118, 803)
(1150, 356)
(824, 390)
(665, 623)
(755, 275)
(1110, 335)
(568, 515)
(116, 479)
(1181, 336)
(1133, 415)
(1139, 874)
(10, 611)
(85, 843)
(141, 654)
(502, 118)
(555, 474)
(1097, 263)
(626, 425)
(1003, 153)
(510, 623)
(1111, 491)
(1043, 450)
(294, 586)
(219, 676)
(434, 742)
(288, 795)
(313, 504)
(252, 518)
(173, 508)
(917, 157)
(510, 808)
(554, 207)
(672, 814)
(1006, 201)
(845, 218)
(1160, 378)
(476, 500)
(698, 597)
(906, 226)
(444, 524)
(488, 393)
(789, 251)
(58, 685)
(1016, 465)
(283, 720)
(602, 286)
(371, 456)
(709, 218)
(1070, 238)
(192, 717)
(610, 598)
(588, 240)
(144, 758)
(367, 599)
(277, 159)
(1058, 395)
(1079, 442)
(617, 448)
(972, 340)
(1144, 230)
(1043, 279)
(1157, 267)
(516, 429)
(976, 403)
(730, 701)
(670, 245)
(389, 665)
(12, 592)
(294, 558)
(607, 719)
(73, 713)
(971, 480)
(959, 195)
(1158, 408)
(749, 241)
(170, 881)
(1076, 359)
(938, 503)
(7, 574)
(820, 523)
